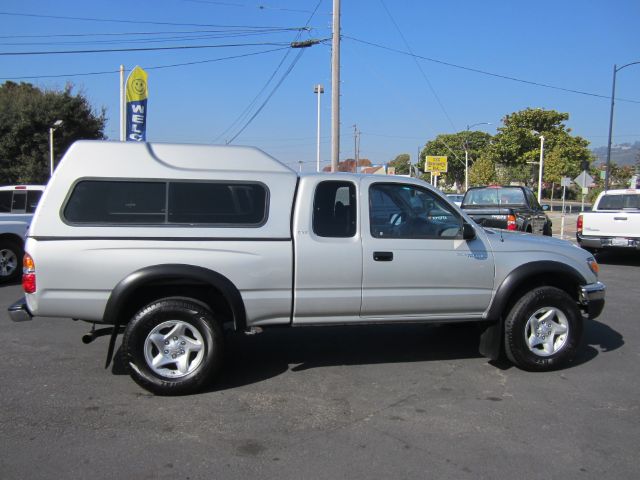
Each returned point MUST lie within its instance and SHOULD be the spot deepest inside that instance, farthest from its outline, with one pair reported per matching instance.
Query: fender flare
(12, 237)
(491, 337)
(125, 289)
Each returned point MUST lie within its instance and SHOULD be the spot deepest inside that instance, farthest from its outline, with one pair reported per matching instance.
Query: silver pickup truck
(171, 244)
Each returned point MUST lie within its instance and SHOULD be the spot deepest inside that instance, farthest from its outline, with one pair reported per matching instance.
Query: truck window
(5, 201)
(334, 209)
(533, 201)
(33, 197)
(116, 202)
(619, 202)
(407, 211)
(217, 203)
(158, 202)
(19, 203)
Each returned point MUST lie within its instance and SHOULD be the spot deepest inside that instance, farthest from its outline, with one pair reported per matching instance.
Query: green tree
(453, 147)
(401, 164)
(566, 158)
(619, 177)
(482, 172)
(26, 114)
(516, 146)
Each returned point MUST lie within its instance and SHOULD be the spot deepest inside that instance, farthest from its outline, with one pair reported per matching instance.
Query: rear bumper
(19, 312)
(608, 242)
(592, 298)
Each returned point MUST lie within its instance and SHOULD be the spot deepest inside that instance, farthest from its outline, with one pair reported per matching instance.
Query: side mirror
(545, 207)
(468, 232)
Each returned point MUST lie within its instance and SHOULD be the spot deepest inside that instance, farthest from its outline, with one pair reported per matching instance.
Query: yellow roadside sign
(435, 164)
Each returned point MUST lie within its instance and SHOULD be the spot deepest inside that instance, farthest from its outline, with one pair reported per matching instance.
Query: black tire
(195, 342)
(543, 330)
(11, 254)
(547, 230)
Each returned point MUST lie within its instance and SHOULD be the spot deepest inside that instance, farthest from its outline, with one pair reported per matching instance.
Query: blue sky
(397, 101)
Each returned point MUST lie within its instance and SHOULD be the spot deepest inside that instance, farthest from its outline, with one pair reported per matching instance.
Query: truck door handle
(619, 218)
(383, 256)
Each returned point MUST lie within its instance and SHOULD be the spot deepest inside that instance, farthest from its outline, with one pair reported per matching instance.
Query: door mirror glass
(468, 232)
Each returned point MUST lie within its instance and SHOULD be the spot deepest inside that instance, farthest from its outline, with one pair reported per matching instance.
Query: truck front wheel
(173, 347)
(543, 330)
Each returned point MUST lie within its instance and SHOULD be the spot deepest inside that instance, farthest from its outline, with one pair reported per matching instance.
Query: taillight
(28, 274)
(579, 224)
(511, 222)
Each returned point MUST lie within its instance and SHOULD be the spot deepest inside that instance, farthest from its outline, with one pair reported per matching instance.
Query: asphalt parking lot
(408, 402)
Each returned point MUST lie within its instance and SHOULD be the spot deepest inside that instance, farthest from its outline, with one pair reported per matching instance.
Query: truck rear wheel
(173, 347)
(10, 260)
(543, 330)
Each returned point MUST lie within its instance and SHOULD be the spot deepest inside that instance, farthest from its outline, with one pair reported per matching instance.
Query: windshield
(492, 196)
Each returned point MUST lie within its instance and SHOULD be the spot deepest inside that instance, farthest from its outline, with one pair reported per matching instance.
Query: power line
(248, 108)
(483, 72)
(246, 111)
(286, 74)
(145, 49)
(197, 62)
(104, 34)
(166, 38)
(424, 75)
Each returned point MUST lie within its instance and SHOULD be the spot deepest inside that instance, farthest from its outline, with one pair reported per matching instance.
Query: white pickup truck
(613, 223)
(17, 205)
(171, 244)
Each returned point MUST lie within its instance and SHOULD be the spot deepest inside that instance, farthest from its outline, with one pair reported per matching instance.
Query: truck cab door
(416, 265)
(327, 251)
(538, 216)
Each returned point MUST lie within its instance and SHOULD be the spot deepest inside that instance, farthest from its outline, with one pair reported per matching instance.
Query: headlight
(593, 265)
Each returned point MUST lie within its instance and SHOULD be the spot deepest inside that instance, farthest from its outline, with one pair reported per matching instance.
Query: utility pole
(335, 87)
(318, 89)
(358, 148)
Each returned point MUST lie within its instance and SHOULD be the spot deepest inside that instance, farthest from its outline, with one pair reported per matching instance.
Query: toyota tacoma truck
(174, 244)
(508, 208)
(613, 223)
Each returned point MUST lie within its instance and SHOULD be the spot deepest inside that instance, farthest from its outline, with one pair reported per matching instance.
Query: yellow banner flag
(137, 85)
(137, 95)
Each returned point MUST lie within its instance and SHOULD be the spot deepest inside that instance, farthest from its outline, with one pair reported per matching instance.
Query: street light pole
(541, 168)
(55, 125)
(466, 154)
(466, 167)
(613, 95)
(335, 87)
(318, 89)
